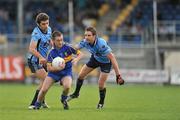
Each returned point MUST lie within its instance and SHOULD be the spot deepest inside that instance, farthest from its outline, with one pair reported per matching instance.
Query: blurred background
(143, 34)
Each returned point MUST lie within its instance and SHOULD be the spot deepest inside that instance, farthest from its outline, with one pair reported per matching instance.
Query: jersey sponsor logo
(103, 46)
(46, 44)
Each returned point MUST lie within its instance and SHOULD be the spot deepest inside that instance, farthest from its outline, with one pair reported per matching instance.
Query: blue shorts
(58, 77)
(104, 67)
(34, 66)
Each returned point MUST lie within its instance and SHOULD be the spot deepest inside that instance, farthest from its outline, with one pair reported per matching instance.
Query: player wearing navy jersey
(102, 57)
(62, 74)
(39, 46)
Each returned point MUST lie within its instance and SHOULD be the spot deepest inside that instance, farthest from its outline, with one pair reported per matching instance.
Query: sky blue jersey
(99, 49)
(43, 42)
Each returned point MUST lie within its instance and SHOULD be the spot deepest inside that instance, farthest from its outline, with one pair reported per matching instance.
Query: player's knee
(67, 86)
(81, 78)
(101, 87)
(67, 89)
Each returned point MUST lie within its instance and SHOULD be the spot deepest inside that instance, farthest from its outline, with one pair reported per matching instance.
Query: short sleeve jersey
(43, 42)
(99, 49)
(66, 52)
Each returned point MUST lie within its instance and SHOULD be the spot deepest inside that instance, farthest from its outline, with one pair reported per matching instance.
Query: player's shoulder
(101, 42)
(83, 41)
(49, 29)
(35, 31)
(52, 51)
(68, 45)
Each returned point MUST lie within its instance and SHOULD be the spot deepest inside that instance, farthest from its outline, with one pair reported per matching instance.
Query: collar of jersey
(42, 31)
(96, 39)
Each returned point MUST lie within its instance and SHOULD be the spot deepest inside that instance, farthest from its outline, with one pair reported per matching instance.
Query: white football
(57, 62)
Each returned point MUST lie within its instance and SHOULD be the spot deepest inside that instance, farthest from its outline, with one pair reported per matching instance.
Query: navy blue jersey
(43, 42)
(99, 49)
(66, 52)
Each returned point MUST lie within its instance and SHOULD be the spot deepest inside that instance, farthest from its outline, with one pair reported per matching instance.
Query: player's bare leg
(40, 74)
(66, 82)
(46, 85)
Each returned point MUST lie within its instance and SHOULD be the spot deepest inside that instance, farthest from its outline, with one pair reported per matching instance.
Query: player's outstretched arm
(77, 58)
(119, 79)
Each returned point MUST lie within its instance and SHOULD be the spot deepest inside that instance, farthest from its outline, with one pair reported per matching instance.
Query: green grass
(129, 102)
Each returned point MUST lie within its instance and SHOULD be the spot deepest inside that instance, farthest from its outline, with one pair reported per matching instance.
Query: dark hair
(91, 29)
(41, 17)
(55, 34)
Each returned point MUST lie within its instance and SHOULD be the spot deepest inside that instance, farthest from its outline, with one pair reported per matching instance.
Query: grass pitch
(128, 102)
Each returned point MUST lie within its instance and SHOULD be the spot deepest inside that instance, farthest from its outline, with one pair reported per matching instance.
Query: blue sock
(63, 97)
(37, 104)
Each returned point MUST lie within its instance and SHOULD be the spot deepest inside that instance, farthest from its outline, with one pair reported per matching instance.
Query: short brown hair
(91, 29)
(56, 34)
(41, 17)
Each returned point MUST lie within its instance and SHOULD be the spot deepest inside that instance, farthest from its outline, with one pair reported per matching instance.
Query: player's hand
(42, 60)
(74, 61)
(119, 80)
(58, 68)
(63, 65)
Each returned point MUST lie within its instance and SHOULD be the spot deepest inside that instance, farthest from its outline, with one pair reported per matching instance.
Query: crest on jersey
(65, 54)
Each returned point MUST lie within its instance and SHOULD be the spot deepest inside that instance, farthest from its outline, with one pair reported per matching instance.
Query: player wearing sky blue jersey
(39, 46)
(43, 43)
(101, 56)
(62, 74)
